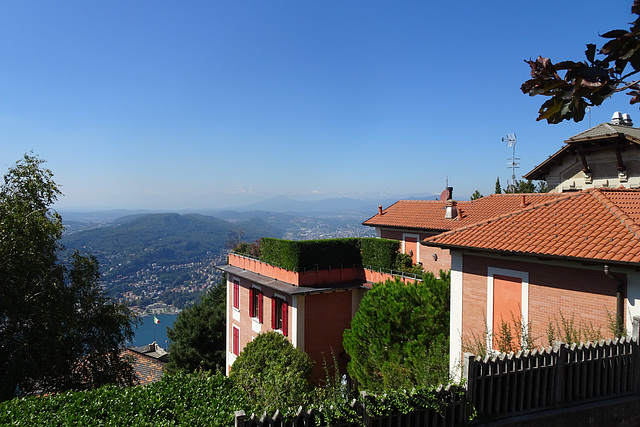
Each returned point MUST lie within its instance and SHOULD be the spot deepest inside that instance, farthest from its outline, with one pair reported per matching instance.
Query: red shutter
(285, 323)
(251, 291)
(236, 295)
(274, 314)
(260, 306)
(236, 341)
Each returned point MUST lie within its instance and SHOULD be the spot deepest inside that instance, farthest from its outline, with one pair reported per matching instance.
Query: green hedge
(189, 400)
(329, 253)
(379, 253)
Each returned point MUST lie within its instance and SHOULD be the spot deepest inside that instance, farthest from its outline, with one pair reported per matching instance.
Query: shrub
(195, 400)
(273, 374)
(399, 335)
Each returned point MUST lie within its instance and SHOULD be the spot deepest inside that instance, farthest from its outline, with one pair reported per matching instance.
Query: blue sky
(184, 105)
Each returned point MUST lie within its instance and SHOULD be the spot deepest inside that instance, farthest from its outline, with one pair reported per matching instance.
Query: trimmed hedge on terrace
(329, 253)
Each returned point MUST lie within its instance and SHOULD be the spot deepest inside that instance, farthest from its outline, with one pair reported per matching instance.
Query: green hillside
(155, 255)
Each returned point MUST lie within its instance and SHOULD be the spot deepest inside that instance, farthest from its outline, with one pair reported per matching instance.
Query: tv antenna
(513, 162)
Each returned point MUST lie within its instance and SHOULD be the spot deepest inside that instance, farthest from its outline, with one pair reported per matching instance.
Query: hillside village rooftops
(430, 214)
(595, 225)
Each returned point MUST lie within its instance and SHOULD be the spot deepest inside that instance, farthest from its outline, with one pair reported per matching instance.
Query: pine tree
(198, 334)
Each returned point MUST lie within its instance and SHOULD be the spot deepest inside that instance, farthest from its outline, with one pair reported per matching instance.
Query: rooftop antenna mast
(513, 162)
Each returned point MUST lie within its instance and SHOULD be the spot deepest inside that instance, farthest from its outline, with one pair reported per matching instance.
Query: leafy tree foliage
(273, 373)
(198, 334)
(476, 195)
(590, 82)
(399, 335)
(58, 330)
(528, 186)
(498, 189)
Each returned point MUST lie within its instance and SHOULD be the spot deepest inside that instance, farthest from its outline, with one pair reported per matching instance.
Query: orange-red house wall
(326, 317)
(570, 289)
(245, 322)
(441, 260)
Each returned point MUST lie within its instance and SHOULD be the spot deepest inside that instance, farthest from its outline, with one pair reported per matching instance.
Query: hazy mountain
(163, 257)
(331, 205)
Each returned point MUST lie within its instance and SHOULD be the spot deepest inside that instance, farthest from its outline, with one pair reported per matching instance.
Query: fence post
(635, 329)
(366, 419)
(239, 419)
(469, 379)
(635, 348)
(560, 349)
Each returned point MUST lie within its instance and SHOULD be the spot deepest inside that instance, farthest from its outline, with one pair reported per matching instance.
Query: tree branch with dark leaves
(590, 82)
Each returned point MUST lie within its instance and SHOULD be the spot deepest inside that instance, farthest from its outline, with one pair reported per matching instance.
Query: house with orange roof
(577, 254)
(412, 221)
(606, 155)
(311, 306)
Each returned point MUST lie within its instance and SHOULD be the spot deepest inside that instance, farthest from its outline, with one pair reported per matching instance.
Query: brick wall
(553, 289)
(326, 317)
(243, 320)
(442, 261)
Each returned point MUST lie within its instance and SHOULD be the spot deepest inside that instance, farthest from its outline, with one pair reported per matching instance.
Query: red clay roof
(598, 224)
(429, 214)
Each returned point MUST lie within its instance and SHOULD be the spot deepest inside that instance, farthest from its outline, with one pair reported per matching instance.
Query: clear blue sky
(203, 104)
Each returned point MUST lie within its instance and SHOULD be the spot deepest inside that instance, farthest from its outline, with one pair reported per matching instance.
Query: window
(255, 304)
(236, 341)
(279, 315)
(236, 294)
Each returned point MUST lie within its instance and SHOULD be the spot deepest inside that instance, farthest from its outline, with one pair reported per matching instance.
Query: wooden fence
(453, 412)
(510, 385)
(543, 379)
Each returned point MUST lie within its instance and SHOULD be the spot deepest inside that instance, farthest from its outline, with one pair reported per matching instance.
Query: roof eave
(531, 254)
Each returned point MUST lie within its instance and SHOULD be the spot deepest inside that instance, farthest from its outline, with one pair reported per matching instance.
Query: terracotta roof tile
(429, 214)
(602, 224)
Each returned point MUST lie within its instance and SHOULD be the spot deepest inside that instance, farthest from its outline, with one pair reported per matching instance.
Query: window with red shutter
(260, 306)
(285, 323)
(274, 314)
(236, 341)
(236, 294)
(279, 315)
(251, 307)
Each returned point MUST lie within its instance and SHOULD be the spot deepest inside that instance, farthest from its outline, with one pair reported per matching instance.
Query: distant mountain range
(279, 204)
(330, 205)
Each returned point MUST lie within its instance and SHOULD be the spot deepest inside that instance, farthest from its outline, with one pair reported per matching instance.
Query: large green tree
(588, 83)
(198, 334)
(399, 335)
(58, 330)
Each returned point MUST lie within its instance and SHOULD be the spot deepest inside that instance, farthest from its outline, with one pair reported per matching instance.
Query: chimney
(379, 209)
(617, 119)
(451, 211)
(447, 194)
(626, 120)
(523, 202)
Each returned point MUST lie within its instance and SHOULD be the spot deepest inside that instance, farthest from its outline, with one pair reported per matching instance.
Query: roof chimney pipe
(379, 209)
(617, 118)
(451, 211)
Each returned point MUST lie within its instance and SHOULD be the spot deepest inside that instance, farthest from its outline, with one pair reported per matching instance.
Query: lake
(147, 330)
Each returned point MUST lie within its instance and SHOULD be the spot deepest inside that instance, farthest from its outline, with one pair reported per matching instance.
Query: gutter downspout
(619, 298)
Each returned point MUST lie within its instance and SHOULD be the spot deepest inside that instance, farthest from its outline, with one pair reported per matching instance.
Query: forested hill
(158, 257)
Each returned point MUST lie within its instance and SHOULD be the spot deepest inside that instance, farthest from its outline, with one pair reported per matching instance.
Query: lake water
(147, 330)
